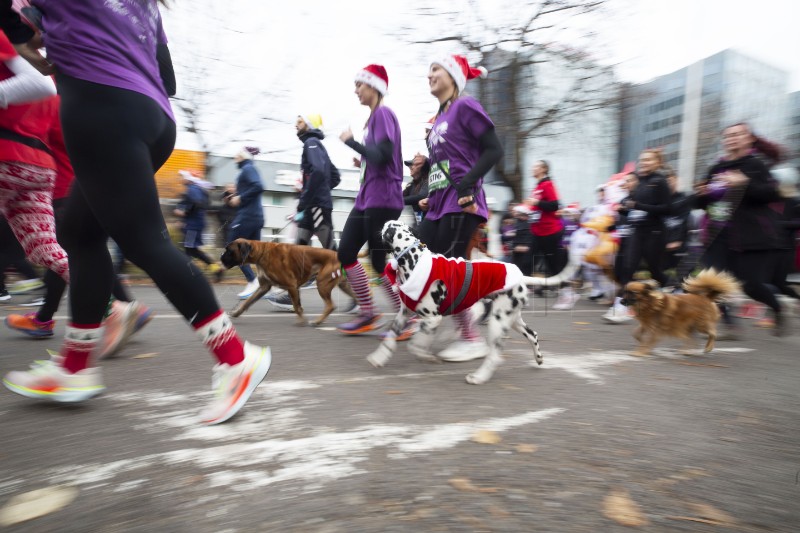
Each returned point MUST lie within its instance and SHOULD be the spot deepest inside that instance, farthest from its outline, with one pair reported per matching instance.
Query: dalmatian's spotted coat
(506, 310)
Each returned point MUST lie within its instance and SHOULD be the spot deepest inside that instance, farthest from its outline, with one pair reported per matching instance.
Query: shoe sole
(367, 328)
(26, 291)
(254, 381)
(60, 396)
(282, 307)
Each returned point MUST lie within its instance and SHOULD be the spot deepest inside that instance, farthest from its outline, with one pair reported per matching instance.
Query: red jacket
(548, 223)
(487, 277)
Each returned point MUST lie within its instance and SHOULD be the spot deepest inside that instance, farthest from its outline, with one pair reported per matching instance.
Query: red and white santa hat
(375, 76)
(458, 67)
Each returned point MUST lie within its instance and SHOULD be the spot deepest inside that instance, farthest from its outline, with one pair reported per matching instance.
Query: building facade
(683, 112)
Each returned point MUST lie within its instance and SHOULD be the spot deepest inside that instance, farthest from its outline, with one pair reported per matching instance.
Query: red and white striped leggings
(26, 200)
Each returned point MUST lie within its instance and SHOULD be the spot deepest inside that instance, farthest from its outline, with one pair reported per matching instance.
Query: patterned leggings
(26, 200)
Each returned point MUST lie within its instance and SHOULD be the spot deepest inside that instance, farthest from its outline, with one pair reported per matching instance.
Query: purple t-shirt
(110, 42)
(382, 186)
(453, 146)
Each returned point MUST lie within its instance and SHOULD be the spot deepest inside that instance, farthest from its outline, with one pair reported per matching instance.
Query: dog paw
(539, 359)
(476, 379)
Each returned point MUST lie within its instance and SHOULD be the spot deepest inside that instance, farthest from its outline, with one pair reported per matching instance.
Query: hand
(235, 201)
(630, 204)
(735, 178)
(701, 189)
(357, 162)
(674, 245)
(521, 248)
(178, 212)
(533, 201)
(346, 135)
(423, 204)
(30, 52)
(299, 216)
(471, 208)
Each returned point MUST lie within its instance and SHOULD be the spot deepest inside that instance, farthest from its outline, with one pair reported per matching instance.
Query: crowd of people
(111, 127)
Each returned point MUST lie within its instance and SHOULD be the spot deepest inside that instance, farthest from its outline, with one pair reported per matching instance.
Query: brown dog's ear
(244, 250)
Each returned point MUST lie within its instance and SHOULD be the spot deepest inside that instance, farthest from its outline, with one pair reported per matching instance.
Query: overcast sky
(258, 61)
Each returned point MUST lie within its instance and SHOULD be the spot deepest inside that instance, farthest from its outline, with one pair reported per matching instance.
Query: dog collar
(399, 256)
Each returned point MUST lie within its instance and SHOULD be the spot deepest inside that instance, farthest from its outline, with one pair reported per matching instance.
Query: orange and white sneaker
(233, 385)
(118, 327)
(48, 380)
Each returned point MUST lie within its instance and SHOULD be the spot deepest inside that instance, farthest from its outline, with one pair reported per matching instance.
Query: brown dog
(288, 266)
(679, 315)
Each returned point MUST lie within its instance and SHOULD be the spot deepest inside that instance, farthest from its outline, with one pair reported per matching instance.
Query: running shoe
(280, 300)
(36, 301)
(233, 385)
(249, 289)
(411, 327)
(4, 296)
(118, 327)
(464, 351)
(362, 324)
(28, 324)
(48, 380)
(25, 286)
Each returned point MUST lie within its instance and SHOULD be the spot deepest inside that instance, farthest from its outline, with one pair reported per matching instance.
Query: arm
(413, 199)
(491, 153)
(17, 31)
(317, 174)
(165, 69)
(249, 187)
(379, 154)
(27, 85)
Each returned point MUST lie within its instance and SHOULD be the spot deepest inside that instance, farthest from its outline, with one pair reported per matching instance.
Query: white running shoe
(233, 385)
(566, 301)
(118, 327)
(249, 289)
(280, 300)
(462, 350)
(617, 313)
(48, 380)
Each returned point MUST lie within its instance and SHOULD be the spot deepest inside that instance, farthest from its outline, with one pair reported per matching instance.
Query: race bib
(634, 215)
(720, 211)
(535, 217)
(436, 178)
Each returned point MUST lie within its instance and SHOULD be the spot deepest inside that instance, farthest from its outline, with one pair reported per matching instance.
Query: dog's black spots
(422, 312)
(509, 311)
(397, 249)
(438, 293)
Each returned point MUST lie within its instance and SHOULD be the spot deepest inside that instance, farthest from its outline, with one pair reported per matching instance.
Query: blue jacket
(193, 203)
(319, 174)
(250, 189)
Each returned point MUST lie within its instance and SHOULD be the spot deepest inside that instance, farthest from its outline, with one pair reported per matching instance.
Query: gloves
(299, 216)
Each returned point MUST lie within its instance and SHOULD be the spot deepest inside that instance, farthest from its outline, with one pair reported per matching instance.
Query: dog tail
(713, 285)
(553, 281)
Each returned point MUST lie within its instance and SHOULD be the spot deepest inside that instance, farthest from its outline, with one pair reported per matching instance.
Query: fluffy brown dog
(288, 266)
(679, 315)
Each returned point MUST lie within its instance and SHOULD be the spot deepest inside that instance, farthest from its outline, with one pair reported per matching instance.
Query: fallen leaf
(394, 392)
(463, 484)
(583, 323)
(709, 365)
(526, 448)
(34, 504)
(619, 506)
(484, 436)
(511, 387)
(709, 512)
(145, 355)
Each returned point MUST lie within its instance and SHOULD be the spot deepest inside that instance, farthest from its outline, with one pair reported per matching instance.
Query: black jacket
(677, 221)
(652, 198)
(319, 174)
(752, 224)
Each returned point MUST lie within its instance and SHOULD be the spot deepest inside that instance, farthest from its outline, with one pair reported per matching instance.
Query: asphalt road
(592, 440)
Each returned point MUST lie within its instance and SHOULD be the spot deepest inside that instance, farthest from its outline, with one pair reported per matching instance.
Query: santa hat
(375, 76)
(313, 121)
(458, 67)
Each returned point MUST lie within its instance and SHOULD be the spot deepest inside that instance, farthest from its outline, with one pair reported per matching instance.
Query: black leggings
(54, 285)
(11, 253)
(365, 227)
(548, 247)
(116, 140)
(649, 244)
(755, 269)
(450, 234)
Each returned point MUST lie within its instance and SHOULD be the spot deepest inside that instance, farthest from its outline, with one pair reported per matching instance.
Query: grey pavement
(593, 439)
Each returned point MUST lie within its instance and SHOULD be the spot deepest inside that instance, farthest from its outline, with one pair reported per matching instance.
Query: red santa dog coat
(488, 277)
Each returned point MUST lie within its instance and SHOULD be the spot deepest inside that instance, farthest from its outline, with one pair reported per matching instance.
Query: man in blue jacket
(249, 217)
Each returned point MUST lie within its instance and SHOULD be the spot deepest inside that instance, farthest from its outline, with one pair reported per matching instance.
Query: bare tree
(543, 77)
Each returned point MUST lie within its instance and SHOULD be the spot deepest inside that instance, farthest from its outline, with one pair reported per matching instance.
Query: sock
(394, 298)
(359, 282)
(468, 330)
(220, 338)
(79, 343)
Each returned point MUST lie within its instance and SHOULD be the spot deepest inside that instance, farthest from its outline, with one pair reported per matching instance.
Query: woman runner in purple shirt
(380, 198)
(463, 147)
(114, 75)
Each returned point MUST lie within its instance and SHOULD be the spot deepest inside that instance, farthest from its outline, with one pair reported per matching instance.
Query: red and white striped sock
(79, 343)
(219, 336)
(467, 326)
(357, 277)
(394, 298)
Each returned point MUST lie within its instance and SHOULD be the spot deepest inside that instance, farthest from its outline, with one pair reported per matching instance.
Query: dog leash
(464, 290)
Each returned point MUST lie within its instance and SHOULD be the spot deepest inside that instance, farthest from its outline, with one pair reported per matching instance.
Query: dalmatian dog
(433, 286)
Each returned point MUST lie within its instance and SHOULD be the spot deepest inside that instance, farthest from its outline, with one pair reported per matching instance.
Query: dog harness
(466, 281)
